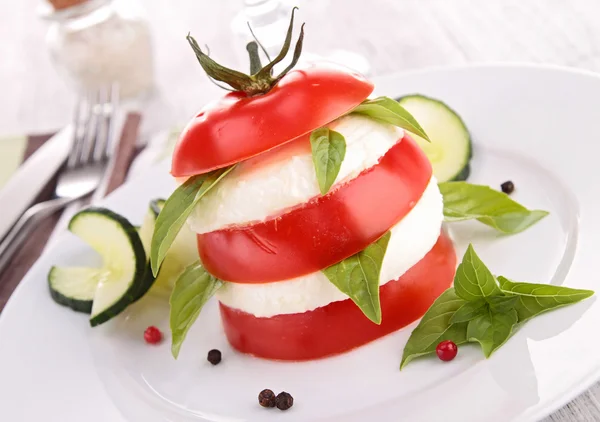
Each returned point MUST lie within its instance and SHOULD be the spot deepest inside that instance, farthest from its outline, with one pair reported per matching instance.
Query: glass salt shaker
(95, 43)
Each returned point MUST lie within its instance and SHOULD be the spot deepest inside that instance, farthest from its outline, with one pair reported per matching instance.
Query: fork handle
(25, 225)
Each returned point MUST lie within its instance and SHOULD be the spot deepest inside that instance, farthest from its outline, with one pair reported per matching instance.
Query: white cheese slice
(411, 239)
(282, 178)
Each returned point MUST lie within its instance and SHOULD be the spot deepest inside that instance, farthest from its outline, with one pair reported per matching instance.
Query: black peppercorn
(214, 356)
(508, 187)
(266, 398)
(284, 401)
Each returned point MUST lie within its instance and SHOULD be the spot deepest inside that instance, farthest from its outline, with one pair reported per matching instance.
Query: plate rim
(540, 411)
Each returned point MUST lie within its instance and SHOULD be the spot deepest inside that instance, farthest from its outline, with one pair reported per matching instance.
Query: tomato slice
(341, 326)
(237, 127)
(325, 230)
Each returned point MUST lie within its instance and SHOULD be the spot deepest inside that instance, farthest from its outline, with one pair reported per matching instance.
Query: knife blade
(27, 182)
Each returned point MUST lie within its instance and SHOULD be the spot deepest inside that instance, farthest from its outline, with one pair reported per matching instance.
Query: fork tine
(109, 101)
(114, 106)
(101, 128)
(78, 131)
(91, 126)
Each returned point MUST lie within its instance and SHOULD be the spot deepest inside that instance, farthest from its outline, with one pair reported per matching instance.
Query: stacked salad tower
(318, 218)
(316, 211)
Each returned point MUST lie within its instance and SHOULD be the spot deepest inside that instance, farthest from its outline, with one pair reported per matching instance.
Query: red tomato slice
(325, 230)
(237, 127)
(341, 326)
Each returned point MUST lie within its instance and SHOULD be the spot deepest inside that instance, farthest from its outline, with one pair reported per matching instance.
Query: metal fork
(84, 169)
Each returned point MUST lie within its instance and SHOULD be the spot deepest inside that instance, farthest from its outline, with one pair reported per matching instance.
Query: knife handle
(25, 225)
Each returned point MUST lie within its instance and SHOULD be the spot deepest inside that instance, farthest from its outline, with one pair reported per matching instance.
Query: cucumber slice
(74, 286)
(124, 260)
(450, 149)
(182, 253)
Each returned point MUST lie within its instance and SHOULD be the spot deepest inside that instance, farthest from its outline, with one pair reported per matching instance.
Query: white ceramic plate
(536, 126)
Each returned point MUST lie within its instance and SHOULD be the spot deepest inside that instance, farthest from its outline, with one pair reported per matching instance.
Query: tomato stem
(262, 47)
(255, 65)
(261, 80)
(295, 57)
(267, 70)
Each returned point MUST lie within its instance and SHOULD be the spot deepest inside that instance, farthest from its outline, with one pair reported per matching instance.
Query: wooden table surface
(394, 35)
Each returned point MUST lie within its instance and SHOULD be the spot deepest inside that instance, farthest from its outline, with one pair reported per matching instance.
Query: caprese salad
(312, 211)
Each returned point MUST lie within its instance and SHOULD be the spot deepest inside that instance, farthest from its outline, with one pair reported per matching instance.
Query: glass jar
(269, 20)
(94, 43)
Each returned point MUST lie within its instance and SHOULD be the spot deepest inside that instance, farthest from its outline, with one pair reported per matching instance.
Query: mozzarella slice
(410, 241)
(284, 177)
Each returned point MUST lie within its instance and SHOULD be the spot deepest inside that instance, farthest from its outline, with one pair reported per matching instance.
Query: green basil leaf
(502, 303)
(465, 201)
(192, 289)
(328, 152)
(533, 299)
(491, 329)
(176, 211)
(436, 326)
(470, 310)
(358, 277)
(387, 110)
(473, 280)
